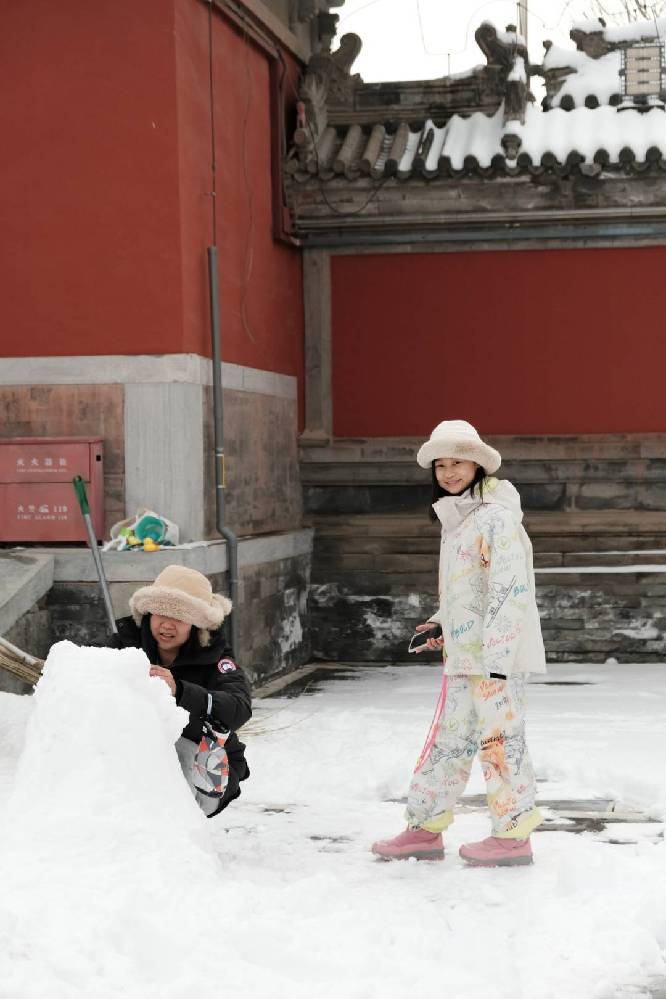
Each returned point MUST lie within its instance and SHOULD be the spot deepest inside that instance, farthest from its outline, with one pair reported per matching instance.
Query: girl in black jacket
(176, 621)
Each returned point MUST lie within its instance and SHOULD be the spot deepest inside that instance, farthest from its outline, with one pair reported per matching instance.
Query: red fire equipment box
(37, 498)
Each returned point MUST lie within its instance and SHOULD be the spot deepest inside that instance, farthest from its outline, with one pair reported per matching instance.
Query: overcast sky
(424, 39)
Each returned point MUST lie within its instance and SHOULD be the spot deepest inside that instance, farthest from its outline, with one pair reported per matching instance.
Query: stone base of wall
(601, 585)
(584, 619)
(593, 502)
(155, 416)
(73, 411)
(274, 630)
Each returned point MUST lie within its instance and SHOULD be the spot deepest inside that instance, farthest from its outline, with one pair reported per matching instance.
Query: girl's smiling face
(455, 475)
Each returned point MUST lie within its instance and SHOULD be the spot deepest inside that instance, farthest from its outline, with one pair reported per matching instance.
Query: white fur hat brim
(458, 439)
(169, 602)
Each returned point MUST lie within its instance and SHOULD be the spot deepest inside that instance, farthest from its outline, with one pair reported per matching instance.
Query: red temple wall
(517, 342)
(106, 171)
(260, 279)
(89, 240)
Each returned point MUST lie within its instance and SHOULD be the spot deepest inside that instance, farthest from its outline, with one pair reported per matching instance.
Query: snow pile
(328, 776)
(105, 861)
(297, 906)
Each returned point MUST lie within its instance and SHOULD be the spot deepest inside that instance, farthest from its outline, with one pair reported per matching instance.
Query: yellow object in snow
(150, 546)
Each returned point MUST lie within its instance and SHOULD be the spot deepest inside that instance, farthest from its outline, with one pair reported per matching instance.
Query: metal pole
(220, 476)
(522, 18)
(80, 490)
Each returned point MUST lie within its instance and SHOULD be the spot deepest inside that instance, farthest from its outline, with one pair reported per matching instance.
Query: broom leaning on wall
(20, 664)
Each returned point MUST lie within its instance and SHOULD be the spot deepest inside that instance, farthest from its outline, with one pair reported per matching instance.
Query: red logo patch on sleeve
(226, 666)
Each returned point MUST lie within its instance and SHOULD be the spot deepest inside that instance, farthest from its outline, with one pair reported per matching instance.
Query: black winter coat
(199, 672)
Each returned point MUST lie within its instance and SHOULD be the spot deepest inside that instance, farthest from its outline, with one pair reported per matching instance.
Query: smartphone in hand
(419, 640)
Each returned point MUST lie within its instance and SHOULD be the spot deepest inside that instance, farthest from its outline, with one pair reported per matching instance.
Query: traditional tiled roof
(482, 122)
(347, 127)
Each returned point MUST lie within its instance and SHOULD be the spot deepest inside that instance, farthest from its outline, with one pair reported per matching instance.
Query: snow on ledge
(636, 32)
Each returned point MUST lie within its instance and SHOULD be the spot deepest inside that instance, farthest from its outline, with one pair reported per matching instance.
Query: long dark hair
(478, 481)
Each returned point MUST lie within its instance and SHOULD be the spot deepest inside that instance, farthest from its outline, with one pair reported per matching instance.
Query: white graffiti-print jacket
(488, 610)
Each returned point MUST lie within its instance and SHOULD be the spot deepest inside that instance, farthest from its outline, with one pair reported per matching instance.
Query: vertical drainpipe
(220, 472)
(214, 294)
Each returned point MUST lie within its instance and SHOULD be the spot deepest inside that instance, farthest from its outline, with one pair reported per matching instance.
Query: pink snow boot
(496, 852)
(417, 843)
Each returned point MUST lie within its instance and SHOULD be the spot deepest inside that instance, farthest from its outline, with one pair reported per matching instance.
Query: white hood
(452, 510)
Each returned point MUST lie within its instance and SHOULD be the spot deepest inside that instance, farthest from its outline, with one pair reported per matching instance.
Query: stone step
(600, 523)
(550, 533)
(383, 556)
(646, 586)
(585, 473)
(336, 550)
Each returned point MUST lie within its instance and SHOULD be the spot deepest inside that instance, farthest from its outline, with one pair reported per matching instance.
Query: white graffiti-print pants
(485, 716)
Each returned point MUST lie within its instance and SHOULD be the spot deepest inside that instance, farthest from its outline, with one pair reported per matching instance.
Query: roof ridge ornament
(317, 12)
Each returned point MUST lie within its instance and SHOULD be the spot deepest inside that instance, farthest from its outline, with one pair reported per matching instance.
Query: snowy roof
(589, 82)
(582, 139)
(586, 124)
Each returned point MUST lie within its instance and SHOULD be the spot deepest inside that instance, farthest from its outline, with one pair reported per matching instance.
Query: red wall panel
(105, 173)
(89, 227)
(260, 279)
(532, 342)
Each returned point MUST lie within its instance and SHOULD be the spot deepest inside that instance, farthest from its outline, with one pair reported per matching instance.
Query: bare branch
(624, 11)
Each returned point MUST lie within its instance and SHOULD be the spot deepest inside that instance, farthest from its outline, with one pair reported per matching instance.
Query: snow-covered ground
(112, 883)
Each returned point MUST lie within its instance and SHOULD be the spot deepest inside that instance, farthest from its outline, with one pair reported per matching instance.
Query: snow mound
(105, 858)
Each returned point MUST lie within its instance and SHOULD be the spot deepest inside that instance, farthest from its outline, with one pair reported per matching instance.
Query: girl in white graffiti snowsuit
(491, 638)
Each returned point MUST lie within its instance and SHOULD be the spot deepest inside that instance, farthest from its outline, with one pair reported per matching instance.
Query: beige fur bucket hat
(458, 439)
(183, 594)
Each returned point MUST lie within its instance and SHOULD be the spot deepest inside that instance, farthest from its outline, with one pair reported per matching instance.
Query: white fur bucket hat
(458, 439)
(183, 594)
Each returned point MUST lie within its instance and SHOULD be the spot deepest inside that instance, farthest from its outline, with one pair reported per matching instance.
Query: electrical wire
(353, 13)
(249, 236)
(334, 208)
(336, 211)
(472, 19)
